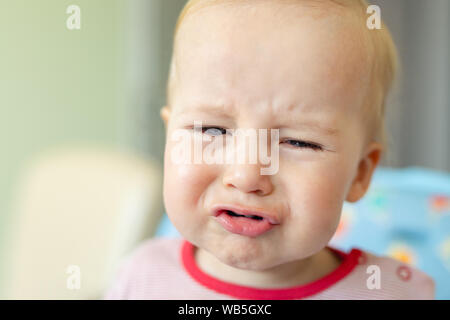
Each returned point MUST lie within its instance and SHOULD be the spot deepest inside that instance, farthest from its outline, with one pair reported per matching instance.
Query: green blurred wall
(57, 86)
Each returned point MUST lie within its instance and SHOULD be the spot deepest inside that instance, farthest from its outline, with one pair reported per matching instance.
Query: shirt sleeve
(425, 287)
(119, 288)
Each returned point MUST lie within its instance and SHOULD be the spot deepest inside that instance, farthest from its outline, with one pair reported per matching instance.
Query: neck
(286, 275)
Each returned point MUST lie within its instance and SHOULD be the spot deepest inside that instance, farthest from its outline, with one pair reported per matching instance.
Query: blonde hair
(384, 66)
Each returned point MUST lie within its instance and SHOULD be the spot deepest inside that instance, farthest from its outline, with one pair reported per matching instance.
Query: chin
(244, 265)
(245, 261)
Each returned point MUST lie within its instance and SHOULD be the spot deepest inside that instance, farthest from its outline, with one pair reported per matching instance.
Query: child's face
(304, 76)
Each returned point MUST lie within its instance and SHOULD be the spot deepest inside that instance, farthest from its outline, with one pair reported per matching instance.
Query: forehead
(262, 54)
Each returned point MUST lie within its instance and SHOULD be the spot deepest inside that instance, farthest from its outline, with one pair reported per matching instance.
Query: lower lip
(244, 226)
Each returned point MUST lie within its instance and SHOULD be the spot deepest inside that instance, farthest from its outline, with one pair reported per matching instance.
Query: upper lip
(269, 215)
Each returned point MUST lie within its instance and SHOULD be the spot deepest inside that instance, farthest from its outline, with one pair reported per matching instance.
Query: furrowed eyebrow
(213, 110)
(313, 126)
(220, 110)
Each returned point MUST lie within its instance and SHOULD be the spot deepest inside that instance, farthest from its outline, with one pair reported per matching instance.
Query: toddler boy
(313, 72)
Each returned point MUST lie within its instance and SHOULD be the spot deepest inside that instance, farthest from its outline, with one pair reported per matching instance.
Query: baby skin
(304, 69)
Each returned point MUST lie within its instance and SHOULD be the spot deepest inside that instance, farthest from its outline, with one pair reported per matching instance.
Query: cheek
(184, 185)
(316, 195)
(327, 196)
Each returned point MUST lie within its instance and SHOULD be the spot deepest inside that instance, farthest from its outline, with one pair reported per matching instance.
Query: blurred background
(82, 140)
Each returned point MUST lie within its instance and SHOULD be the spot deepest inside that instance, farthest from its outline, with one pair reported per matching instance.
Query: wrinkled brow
(312, 125)
(218, 110)
(221, 111)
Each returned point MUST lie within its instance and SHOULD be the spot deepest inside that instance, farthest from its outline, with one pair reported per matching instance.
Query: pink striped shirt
(165, 269)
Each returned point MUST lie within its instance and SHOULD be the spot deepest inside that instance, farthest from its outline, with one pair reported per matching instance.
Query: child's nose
(247, 178)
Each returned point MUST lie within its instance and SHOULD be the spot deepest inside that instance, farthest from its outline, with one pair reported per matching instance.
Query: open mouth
(251, 214)
(234, 214)
(244, 221)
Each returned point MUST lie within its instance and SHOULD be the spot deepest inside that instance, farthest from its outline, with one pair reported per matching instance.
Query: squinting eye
(303, 144)
(214, 131)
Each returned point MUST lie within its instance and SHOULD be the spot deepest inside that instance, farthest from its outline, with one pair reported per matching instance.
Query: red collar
(349, 261)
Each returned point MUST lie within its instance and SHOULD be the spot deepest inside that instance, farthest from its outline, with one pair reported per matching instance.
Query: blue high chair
(405, 214)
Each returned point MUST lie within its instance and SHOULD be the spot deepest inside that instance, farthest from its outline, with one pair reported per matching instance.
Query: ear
(366, 167)
(165, 115)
